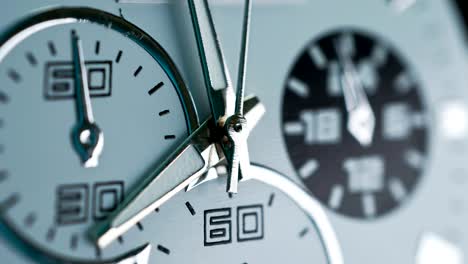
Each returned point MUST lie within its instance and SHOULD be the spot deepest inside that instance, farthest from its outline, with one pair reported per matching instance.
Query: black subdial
(355, 124)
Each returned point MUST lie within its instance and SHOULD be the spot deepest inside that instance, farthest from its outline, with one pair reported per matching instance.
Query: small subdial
(354, 124)
(89, 104)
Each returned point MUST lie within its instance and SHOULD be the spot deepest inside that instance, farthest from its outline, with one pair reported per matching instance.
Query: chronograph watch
(233, 131)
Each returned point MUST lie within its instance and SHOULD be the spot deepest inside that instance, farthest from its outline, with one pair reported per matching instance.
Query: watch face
(150, 131)
(352, 177)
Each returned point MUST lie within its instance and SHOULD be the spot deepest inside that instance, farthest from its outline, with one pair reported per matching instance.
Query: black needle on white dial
(87, 137)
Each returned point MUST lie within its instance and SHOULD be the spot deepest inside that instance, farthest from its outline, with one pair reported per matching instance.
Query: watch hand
(216, 75)
(219, 86)
(238, 157)
(140, 255)
(87, 137)
(191, 160)
(361, 118)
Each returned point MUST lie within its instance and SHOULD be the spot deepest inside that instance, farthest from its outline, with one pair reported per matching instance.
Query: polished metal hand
(192, 159)
(219, 87)
(361, 118)
(238, 158)
(87, 137)
(216, 75)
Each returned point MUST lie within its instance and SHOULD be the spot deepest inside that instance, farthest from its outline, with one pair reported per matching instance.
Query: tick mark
(97, 47)
(164, 250)
(3, 175)
(74, 242)
(271, 199)
(167, 137)
(303, 232)
(190, 208)
(155, 88)
(165, 112)
(230, 195)
(52, 49)
(50, 236)
(4, 98)
(31, 59)
(119, 55)
(11, 201)
(140, 226)
(30, 219)
(14, 76)
(138, 70)
(120, 239)
(97, 251)
(156, 210)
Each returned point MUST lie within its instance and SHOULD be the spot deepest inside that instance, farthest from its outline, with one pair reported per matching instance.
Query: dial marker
(138, 70)
(3, 175)
(52, 49)
(414, 159)
(163, 113)
(140, 226)
(318, 57)
(336, 196)
(50, 236)
(346, 44)
(97, 252)
(190, 208)
(419, 120)
(120, 239)
(164, 250)
(368, 205)
(155, 88)
(379, 55)
(118, 57)
(30, 219)
(14, 75)
(31, 58)
(168, 137)
(397, 189)
(271, 199)
(10, 202)
(303, 232)
(403, 82)
(74, 242)
(97, 47)
(4, 98)
(294, 128)
(298, 87)
(309, 168)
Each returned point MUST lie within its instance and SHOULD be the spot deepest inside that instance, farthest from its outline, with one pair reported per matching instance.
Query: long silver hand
(216, 75)
(239, 155)
(361, 118)
(87, 137)
(187, 163)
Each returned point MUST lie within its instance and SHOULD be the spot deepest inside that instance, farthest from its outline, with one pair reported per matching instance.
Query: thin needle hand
(87, 137)
(239, 156)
